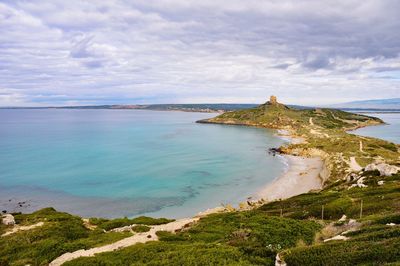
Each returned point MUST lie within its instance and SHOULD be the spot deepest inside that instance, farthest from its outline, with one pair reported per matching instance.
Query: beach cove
(113, 163)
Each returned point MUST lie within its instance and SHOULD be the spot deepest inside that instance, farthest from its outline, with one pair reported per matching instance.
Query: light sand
(302, 176)
(354, 166)
(18, 228)
(126, 242)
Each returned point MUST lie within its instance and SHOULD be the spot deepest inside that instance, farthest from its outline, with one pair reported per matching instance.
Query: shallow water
(389, 131)
(114, 163)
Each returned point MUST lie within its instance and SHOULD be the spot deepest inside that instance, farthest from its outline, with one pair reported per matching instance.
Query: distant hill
(212, 107)
(393, 103)
(273, 114)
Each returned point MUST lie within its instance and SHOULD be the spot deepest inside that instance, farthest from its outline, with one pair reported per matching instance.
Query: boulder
(343, 219)
(383, 168)
(279, 261)
(8, 219)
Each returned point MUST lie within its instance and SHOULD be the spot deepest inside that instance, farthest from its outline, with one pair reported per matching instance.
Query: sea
(389, 131)
(116, 163)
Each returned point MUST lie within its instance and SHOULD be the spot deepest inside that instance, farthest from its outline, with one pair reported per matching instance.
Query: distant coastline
(201, 108)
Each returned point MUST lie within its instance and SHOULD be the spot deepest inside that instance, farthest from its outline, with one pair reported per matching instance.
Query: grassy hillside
(276, 115)
(325, 134)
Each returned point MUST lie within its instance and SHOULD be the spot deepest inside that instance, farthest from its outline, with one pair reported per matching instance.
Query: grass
(237, 238)
(375, 243)
(120, 222)
(277, 116)
(61, 233)
(140, 228)
(336, 201)
(160, 253)
(371, 245)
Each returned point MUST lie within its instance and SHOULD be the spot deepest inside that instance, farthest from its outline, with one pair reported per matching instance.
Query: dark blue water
(129, 162)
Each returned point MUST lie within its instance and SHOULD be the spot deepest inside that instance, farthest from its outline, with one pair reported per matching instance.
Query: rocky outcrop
(383, 168)
(360, 183)
(279, 261)
(8, 219)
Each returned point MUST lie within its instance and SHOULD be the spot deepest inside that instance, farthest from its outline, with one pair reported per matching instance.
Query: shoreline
(301, 176)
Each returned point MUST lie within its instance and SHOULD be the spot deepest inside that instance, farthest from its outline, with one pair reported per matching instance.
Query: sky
(78, 52)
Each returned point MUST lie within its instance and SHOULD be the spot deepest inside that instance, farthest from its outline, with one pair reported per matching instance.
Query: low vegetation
(371, 245)
(140, 228)
(237, 238)
(60, 233)
(107, 224)
(337, 201)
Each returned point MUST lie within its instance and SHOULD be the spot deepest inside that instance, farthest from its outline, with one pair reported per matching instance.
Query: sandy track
(354, 166)
(18, 228)
(126, 242)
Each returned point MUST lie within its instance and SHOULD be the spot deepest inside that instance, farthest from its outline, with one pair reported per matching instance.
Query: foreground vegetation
(107, 224)
(237, 238)
(293, 228)
(299, 229)
(60, 233)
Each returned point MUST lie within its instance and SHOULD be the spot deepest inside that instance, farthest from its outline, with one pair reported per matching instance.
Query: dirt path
(18, 228)
(126, 242)
(354, 165)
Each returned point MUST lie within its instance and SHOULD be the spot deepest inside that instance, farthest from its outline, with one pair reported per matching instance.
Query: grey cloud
(282, 66)
(80, 48)
(93, 64)
(318, 62)
(209, 50)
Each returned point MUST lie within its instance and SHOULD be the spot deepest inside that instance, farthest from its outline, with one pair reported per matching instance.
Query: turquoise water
(114, 163)
(390, 131)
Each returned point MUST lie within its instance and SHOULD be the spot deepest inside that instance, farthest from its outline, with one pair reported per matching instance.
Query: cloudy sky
(79, 52)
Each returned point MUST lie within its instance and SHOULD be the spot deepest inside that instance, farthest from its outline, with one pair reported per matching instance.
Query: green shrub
(60, 233)
(140, 228)
(120, 222)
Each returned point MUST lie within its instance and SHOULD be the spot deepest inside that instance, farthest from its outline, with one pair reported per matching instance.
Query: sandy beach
(303, 175)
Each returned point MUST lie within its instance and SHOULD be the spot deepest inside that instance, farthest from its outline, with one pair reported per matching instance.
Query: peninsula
(351, 216)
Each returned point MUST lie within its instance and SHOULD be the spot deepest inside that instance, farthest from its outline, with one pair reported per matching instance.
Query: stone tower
(273, 100)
